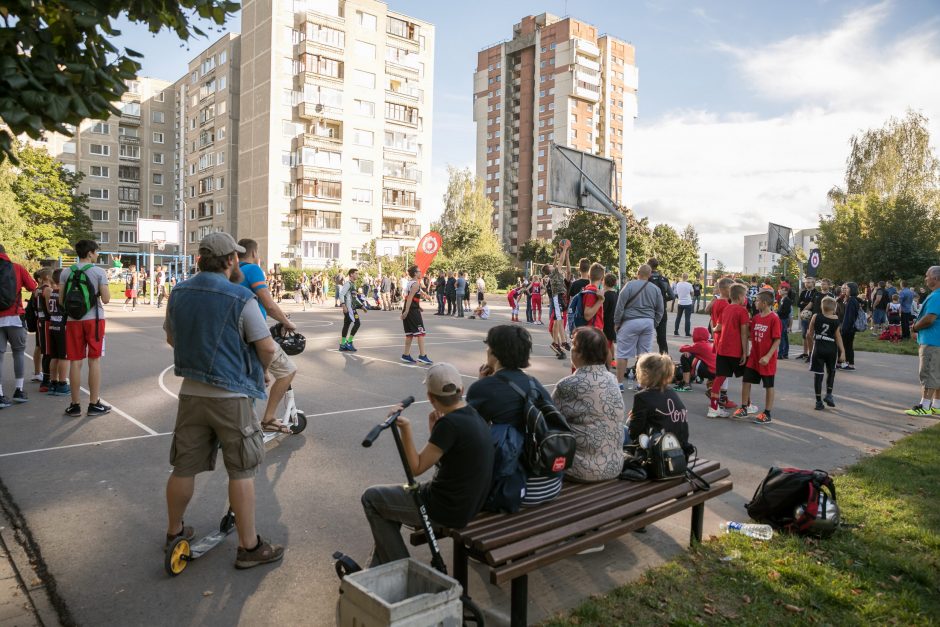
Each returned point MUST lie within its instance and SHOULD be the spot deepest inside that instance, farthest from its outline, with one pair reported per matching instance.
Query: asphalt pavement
(91, 489)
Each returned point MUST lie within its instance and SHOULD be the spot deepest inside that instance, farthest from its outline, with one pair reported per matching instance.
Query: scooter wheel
(472, 614)
(301, 423)
(345, 565)
(177, 555)
(227, 524)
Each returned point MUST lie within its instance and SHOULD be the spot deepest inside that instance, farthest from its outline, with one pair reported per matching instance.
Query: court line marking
(403, 364)
(333, 350)
(65, 446)
(162, 385)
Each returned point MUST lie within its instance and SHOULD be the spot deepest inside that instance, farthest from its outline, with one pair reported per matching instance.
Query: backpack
(800, 501)
(548, 445)
(665, 457)
(8, 284)
(31, 317)
(80, 295)
(861, 320)
(576, 311)
(508, 487)
(664, 287)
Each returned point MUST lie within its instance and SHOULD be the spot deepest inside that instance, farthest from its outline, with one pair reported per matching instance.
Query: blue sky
(745, 107)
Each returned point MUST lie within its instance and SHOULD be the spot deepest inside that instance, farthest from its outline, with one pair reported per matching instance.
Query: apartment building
(127, 161)
(335, 128)
(206, 143)
(556, 80)
(756, 259)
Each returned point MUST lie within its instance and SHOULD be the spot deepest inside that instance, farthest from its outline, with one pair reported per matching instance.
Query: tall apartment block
(335, 128)
(127, 161)
(557, 81)
(206, 143)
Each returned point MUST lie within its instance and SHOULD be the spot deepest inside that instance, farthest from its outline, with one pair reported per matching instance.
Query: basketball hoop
(160, 244)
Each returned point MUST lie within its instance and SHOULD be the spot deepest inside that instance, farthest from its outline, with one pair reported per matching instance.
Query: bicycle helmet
(291, 342)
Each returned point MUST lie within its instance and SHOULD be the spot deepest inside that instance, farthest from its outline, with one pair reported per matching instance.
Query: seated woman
(658, 407)
(507, 353)
(592, 402)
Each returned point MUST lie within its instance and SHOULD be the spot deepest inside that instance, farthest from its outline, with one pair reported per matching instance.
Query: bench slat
(517, 568)
(537, 540)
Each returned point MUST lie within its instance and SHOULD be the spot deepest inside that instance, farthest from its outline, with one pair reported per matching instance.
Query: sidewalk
(16, 609)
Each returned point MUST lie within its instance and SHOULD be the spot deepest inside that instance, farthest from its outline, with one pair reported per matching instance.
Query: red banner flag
(428, 247)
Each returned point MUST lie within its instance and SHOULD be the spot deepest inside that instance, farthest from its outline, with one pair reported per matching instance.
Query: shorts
(753, 377)
(130, 293)
(414, 323)
(821, 361)
(555, 308)
(879, 316)
(282, 365)
(635, 338)
(41, 336)
(930, 367)
(80, 341)
(726, 366)
(55, 343)
(203, 424)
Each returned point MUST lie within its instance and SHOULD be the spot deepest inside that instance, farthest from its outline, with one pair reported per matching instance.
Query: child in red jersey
(535, 288)
(512, 296)
(733, 331)
(698, 358)
(762, 362)
(718, 305)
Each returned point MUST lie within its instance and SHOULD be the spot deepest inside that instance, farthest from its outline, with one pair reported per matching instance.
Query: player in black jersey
(825, 349)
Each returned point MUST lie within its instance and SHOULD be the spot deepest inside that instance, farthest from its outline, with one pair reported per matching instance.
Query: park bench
(584, 515)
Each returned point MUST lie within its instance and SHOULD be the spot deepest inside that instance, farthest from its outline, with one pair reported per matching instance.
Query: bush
(508, 277)
(290, 277)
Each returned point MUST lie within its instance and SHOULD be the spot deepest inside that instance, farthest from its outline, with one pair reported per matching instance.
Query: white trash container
(403, 593)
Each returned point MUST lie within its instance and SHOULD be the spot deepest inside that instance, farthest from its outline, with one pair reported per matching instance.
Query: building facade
(335, 128)
(206, 143)
(127, 161)
(760, 262)
(557, 80)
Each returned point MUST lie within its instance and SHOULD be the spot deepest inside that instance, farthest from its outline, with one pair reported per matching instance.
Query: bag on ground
(799, 501)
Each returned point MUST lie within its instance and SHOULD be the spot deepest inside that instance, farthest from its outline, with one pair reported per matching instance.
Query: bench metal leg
(520, 600)
(460, 566)
(698, 518)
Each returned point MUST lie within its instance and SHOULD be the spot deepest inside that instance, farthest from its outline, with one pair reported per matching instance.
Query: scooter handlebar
(379, 428)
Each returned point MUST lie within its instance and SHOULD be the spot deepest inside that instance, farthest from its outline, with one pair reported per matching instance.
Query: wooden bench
(584, 515)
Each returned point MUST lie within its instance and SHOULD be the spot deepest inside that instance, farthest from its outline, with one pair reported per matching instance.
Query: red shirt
(765, 329)
(718, 306)
(590, 299)
(729, 340)
(23, 279)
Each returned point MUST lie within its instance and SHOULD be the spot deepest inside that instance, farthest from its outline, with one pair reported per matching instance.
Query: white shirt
(684, 292)
(481, 285)
(485, 314)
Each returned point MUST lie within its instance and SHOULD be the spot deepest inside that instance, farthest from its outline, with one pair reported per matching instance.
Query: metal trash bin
(403, 593)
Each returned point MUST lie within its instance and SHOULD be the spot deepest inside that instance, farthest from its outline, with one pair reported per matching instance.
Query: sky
(746, 107)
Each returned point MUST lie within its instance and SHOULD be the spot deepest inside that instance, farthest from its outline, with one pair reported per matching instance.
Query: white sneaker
(752, 409)
(720, 412)
(36, 377)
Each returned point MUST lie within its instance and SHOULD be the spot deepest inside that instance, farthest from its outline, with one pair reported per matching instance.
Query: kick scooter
(290, 417)
(345, 565)
(181, 551)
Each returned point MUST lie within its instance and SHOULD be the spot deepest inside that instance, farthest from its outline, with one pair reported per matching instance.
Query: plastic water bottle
(761, 532)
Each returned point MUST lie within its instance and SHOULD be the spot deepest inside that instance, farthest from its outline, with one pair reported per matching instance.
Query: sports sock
(925, 403)
(936, 403)
(19, 384)
(724, 385)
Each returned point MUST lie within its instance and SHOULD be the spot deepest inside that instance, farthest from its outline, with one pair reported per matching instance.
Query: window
(321, 65)
(129, 173)
(127, 237)
(320, 157)
(399, 198)
(129, 194)
(363, 166)
(401, 28)
(220, 158)
(158, 178)
(101, 128)
(326, 35)
(221, 107)
(68, 148)
(363, 196)
(159, 97)
(365, 49)
(401, 113)
(222, 81)
(401, 141)
(364, 107)
(221, 132)
(99, 215)
(101, 171)
(364, 226)
(364, 79)
(220, 182)
(541, 182)
(128, 216)
(157, 200)
(157, 138)
(99, 194)
(363, 138)
(158, 158)
(159, 117)
(367, 21)
(102, 237)
(99, 149)
(315, 188)
(219, 208)
(133, 87)
(130, 108)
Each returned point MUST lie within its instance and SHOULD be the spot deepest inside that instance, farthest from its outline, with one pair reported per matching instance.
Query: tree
(676, 255)
(790, 266)
(597, 237)
(12, 224)
(57, 66)
(538, 251)
(719, 271)
(55, 213)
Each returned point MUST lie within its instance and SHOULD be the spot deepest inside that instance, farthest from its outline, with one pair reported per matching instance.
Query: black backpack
(665, 457)
(663, 284)
(801, 501)
(549, 444)
(31, 315)
(9, 295)
(80, 295)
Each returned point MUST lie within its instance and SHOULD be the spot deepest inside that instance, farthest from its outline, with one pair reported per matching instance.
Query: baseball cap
(220, 244)
(443, 380)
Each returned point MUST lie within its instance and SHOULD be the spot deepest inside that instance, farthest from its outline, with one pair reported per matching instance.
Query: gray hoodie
(648, 304)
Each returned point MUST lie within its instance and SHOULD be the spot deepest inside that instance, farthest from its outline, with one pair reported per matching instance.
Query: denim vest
(203, 315)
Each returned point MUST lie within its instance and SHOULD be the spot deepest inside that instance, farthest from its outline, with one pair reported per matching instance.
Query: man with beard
(221, 348)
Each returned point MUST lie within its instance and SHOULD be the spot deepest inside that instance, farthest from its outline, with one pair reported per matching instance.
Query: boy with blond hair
(718, 305)
(825, 348)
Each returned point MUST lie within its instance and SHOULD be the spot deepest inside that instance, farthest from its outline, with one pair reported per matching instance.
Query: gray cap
(220, 244)
(443, 379)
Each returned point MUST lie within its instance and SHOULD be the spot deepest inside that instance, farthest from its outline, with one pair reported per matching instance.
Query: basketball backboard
(387, 248)
(778, 239)
(565, 187)
(167, 231)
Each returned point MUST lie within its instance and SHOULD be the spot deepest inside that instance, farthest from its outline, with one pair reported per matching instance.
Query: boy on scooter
(461, 446)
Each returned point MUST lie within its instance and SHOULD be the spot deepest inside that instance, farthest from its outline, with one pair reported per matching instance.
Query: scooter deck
(204, 545)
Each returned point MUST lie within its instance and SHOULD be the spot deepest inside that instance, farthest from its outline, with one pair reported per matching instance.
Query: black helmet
(291, 342)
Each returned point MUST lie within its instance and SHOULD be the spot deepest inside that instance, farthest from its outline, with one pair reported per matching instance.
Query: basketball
(565, 243)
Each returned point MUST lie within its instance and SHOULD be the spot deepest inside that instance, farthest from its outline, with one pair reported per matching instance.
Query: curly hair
(511, 345)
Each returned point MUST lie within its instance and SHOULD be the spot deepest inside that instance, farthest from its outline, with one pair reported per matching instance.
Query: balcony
(400, 229)
(129, 139)
(581, 91)
(400, 200)
(587, 76)
(403, 171)
(323, 135)
(587, 48)
(312, 192)
(587, 63)
(318, 111)
(313, 220)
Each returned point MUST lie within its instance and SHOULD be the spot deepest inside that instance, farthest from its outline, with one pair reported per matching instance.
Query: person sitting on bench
(658, 407)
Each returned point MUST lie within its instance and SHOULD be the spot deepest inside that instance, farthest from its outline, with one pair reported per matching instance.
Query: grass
(882, 567)
(865, 342)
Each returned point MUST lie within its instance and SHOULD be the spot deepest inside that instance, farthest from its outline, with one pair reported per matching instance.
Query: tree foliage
(58, 67)
(538, 251)
(12, 224)
(790, 266)
(677, 255)
(49, 204)
(720, 270)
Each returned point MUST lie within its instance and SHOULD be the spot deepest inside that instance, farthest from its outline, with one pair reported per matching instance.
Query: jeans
(387, 507)
(687, 311)
(440, 303)
(661, 335)
(695, 302)
(460, 306)
(784, 349)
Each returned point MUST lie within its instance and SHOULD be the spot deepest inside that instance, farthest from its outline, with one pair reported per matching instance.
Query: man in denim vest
(221, 348)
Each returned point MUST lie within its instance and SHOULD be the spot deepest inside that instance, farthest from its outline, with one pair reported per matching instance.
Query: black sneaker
(819, 405)
(98, 409)
(5, 402)
(19, 396)
(829, 400)
(74, 410)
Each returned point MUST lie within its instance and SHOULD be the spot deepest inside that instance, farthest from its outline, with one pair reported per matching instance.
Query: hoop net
(160, 243)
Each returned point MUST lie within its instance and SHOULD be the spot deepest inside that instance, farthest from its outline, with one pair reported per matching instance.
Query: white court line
(333, 350)
(352, 411)
(64, 446)
(162, 385)
(419, 366)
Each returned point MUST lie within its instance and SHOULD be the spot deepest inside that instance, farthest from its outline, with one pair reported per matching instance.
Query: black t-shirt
(464, 473)
(824, 334)
(664, 286)
(660, 410)
(497, 402)
(806, 297)
(610, 304)
(883, 303)
(785, 308)
(696, 289)
(818, 299)
(451, 287)
(576, 286)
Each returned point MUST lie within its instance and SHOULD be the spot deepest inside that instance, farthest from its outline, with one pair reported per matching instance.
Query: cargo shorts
(282, 365)
(203, 423)
(930, 367)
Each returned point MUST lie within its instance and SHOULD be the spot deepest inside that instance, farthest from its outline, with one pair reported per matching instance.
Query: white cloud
(730, 174)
